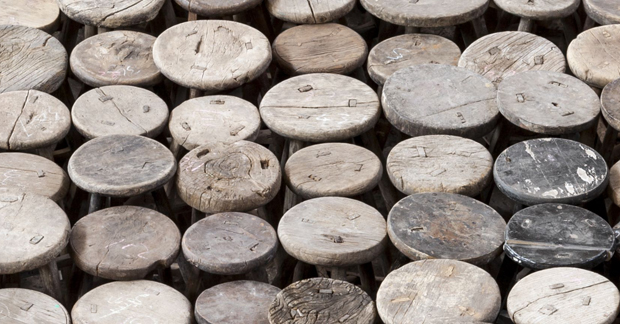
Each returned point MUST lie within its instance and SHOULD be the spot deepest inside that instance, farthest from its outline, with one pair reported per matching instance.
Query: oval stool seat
(590, 56)
(33, 174)
(29, 306)
(539, 10)
(217, 8)
(309, 12)
(426, 13)
(40, 14)
(111, 13)
(614, 184)
(604, 12)
(610, 104)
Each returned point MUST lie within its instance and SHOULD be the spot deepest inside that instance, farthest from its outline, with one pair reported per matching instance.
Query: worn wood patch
(591, 55)
(29, 306)
(111, 13)
(33, 174)
(309, 11)
(40, 14)
(539, 9)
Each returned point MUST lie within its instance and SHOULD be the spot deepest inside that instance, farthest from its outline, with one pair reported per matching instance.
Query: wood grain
(591, 56)
(18, 306)
(40, 14)
(603, 12)
(33, 174)
(309, 11)
(218, 8)
(111, 13)
(426, 13)
(610, 104)
(539, 9)
(614, 184)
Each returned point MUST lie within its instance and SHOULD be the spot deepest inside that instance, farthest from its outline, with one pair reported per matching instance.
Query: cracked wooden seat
(591, 55)
(30, 306)
(604, 12)
(33, 174)
(217, 8)
(111, 13)
(40, 14)
(309, 11)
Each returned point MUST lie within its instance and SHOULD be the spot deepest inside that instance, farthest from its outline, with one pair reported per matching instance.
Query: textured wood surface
(33, 174)
(614, 184)
(40, 14)
(610, 104)
(217, 8)
(111, 13)
(604, 12)
(426, 13)
(309, 11)
(591, 56)
(539, 9)
(20, 306)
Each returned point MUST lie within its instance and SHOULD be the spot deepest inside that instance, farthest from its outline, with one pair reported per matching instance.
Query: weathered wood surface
(604, 12)
(440, 163)
(548, 103)
(204, 120)
(40, 14)
(217, 8)
(20, 306)
(309, 11)
(320, 108)
(219, 177)
(323, 48)
(407, 50)
(550, 170)
(121, 165)
(610, 104)
(563, 295)
(539, 9)
(33, 233)
(212, 55)
(500, 55)
(33, 174)
(117, 57)
(426, 13)
(333, 232)
(614, 184)
(591, 56)
(124, 243)
(31, 119)
(30, 59)
(111, 13)
(430, 99)
(321, 300)
(138, 301)
(438, 290)
(119, 110)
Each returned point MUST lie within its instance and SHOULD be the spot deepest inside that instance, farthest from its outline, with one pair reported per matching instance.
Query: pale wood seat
(217, 8)
(33, 174)
(111, 13)
(604, 12)
(309, 12)
(40, 14)
(591, 55)
(610, 110)
(29, 306)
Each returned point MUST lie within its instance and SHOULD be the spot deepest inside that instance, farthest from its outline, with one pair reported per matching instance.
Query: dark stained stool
(604, 12)
(40, 14)
(590, 56)
(33, 174)
(29, 306)
(309, 12)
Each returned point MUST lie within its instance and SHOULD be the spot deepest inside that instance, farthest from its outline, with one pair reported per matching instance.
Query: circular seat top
(614, 184)
(320, 108)
(140, 301)
(328, 300)
(549, 103)
(40, 14)
(214, 119)
(591, 55)
(430, 99)
(33, 233)
(30, 59)
(309, 12)
(235, 302)
(440, 163)
(446, 226)
(550, 170)
(32, 119)
(610, 104)
(217, 8)
(124, 243)
(111, 13)
(116, 57)
(411, 295)
(324, 48)
(33, 174)
(119, 110)
(212, 55)
(604, 12)
(30, 306)
(407, 50)
(426, 13)
(333, 232)
(230, 243)
(121, 165)
(332, 169)
(556, 235)
(539, 10)
(500, 55)
(221, 177)
(562, 295)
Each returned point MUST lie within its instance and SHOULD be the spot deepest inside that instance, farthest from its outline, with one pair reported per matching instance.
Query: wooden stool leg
(480, 27)
(526, 25)
(168, 13)
(286, 268)
(607, 147)
(260, 18)
(589, 23)
(165, 275)
(388, 192)
(51, 280)
(386, 30)
(47, 152)
(95, 203)
(412, 30)
(89, 31)
(191, 276)
(303, 271)
(570, 29)
(290, 198)
(339, 274)
(259, 274)
(101, 30)
(192, 16)
(163, 204)
(367, 277)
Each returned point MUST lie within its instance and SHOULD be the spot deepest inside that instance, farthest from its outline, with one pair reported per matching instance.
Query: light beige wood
(610, 104)
(426, 13)
(40, 14)
(309, 11)
(604, 12)
(217, 8)
(591, 56)
(111, 13)
(19, 306)
(539, 9)
(33, 174)
(614, 184)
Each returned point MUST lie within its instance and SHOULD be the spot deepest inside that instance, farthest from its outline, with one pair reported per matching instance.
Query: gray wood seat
(309, 12)
(40, 14)
(29, 306)
(591, 55)
(217, 8)
(610, 109)
(539, 10)
(33, 174)
(111, 13)
(604, 12)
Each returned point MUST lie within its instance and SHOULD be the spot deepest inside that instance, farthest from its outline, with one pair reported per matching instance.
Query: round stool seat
(32, 119)
(614, 184)
(217, 8)
(430, 99)
(124, 243)
(40, 14)
(230, 243)
(116, 57)
(332, 169)
(333, 232)
(438, 290)
(539, 10)
(500, 55)
(548, 103)
(212, 55)
(121, 165)
(33, 174)
(33, 233)
(235, 302)
(139, 301)
(320, 108)
(220, 177)
(604, 12)
(309, 12)
(214, 119)
(610, 104)
(446, 226)
(426, 13)
(111, 13)
(29, 306)
(591, 55)
(322, 300)
(323, 48)
(30, 59)
(440, 163)
(550, 170)
(563, 295)
(407, 50)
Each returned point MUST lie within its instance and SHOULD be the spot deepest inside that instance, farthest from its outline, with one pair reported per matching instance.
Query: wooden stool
(610, 109)
(235, 302)
(604, 12)
(590, 56)
(613, 192)
(30, 59)
(563, 295)
(309, 12)
(444, 291)
(217, 8)
(322, 300)
(500, 55)
(119, 110)
(323, 48)
(531, 11)
(29, 306)
(132, 301)
(446, 226)
(40, 14)
(440, 163)
(110, 13)
(430, 99)
(33, 174)
(116, 58)
(550, 170)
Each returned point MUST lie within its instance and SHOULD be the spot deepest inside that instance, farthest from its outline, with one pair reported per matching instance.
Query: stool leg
(165, 275)
(570, 29)
(526, 25)
(386, 30)
(259, 274)
(95, 203)
(388, 192)
(607, 147)
(191, 276)
(590, 23)
(101, 30)
(47, 152)
(290, 198)
(367, 277)
(89, 31)
(192, 16)
(480, 27)
(303, 271)
(168, 12)
(412, 30)
(339, 274)
(51, 280)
